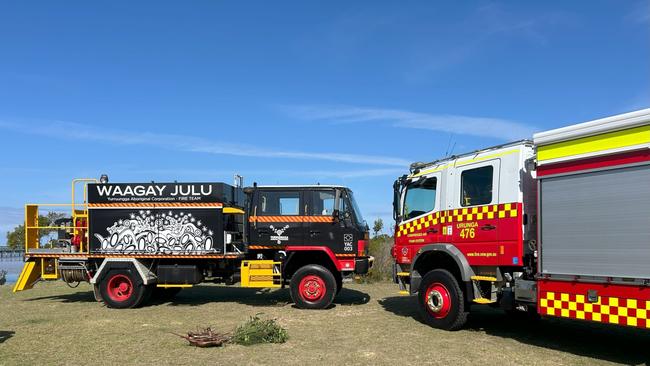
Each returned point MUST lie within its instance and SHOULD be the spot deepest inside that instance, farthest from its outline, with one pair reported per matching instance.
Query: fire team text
(155, 190)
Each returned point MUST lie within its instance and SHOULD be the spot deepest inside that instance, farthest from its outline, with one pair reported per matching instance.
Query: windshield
(355, 207)
(420, 198)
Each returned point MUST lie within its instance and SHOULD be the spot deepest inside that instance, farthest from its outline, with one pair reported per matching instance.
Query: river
(13, 267)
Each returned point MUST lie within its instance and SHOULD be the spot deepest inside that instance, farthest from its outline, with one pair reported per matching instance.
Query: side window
(476, 186)
(289, 205)
(322, 203)
(274, 203)
(420, 197)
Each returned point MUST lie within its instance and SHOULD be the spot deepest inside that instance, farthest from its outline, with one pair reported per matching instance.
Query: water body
(13, 266)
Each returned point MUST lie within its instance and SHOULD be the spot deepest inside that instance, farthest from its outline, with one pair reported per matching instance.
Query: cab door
(278, 218)
(474, 220)
(322, 229)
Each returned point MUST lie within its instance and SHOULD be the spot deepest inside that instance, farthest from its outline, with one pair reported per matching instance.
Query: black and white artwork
(161, 232)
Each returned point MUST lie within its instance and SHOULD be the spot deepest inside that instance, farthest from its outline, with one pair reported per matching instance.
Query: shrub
(257, 330)
(382, 268)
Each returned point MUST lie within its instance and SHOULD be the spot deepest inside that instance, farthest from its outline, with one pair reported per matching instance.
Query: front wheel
(313, 287)
(121, 289)
(441, 301)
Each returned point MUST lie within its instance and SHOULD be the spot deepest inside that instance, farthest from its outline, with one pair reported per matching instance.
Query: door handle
(432, 231)
(314, 232)
(488, 227)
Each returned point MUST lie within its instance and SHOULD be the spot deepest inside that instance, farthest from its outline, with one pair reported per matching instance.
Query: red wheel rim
(437, 300)
(120, 288)
(312, 288)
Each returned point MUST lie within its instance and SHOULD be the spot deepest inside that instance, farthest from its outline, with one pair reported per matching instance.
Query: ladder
(401, 281)
(480, 294)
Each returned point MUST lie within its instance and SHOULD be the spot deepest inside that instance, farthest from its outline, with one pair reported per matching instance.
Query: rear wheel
(121, 289)
(313, 287)
(441, 301)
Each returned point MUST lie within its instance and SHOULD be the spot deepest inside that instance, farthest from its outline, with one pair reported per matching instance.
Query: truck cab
(325, 216)
(465, 226)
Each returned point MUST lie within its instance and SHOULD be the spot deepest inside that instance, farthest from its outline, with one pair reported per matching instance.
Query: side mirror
(347, 215)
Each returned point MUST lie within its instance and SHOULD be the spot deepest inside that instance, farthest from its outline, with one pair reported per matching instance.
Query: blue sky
(296, 92)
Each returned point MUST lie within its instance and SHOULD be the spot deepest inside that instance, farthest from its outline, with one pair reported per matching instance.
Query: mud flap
(30, 274)
(98, 296)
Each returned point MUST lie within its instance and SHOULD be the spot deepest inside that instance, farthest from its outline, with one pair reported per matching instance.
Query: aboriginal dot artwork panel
(156, 231)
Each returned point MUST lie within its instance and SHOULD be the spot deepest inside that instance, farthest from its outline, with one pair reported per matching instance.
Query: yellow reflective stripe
(607, 141)
(232, 210)
(465, 162)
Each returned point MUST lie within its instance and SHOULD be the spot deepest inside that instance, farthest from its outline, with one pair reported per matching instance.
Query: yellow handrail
(31, 215)
(74, 183)
(56, 227)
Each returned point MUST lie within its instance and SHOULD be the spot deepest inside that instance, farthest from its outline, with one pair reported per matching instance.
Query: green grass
(369, 324)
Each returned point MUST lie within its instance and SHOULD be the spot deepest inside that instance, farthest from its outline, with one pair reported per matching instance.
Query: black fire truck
(130, 240)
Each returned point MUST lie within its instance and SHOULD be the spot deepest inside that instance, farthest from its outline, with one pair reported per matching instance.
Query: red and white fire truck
(557, 226)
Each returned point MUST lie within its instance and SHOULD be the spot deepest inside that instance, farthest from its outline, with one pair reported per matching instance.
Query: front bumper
(363, 264)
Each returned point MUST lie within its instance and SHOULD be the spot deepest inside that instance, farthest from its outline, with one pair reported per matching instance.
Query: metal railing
(77, 211)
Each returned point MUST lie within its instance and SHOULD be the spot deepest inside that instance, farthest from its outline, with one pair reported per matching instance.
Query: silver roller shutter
(597, 224)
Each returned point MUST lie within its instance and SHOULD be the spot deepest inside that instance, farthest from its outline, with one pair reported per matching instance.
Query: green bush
(257, 330)
(382, 268)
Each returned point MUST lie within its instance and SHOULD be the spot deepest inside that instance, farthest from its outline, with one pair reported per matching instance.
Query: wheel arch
(297, 258)
(146, 275)
(439, 256)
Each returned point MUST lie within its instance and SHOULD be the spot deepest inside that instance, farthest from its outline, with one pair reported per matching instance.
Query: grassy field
(369, 324)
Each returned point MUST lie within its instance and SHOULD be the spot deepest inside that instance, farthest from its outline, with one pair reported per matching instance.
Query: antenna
(451, 135)
(452, 149)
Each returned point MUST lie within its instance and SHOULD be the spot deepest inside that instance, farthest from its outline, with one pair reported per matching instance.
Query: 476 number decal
(467, 230)
(468, 233)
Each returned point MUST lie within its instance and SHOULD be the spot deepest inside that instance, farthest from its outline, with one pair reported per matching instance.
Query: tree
(16, 237)
(378, 225)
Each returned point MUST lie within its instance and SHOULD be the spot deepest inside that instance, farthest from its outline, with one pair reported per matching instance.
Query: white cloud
(315, 174)
(489, 27)
(76, 131)
(464, 125)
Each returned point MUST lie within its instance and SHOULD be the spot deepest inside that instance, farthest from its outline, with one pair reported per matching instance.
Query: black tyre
(123, 288)
(441, 301)
(313, 287)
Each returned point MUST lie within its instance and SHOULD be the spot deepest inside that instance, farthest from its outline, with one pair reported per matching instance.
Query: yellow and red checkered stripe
(627, 305)
(291, 219)
(459, 215)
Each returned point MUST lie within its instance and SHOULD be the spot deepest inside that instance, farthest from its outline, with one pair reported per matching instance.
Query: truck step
(261, 274)
(404, 292)
(482, 300)
(484, 278)
(403, 274)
